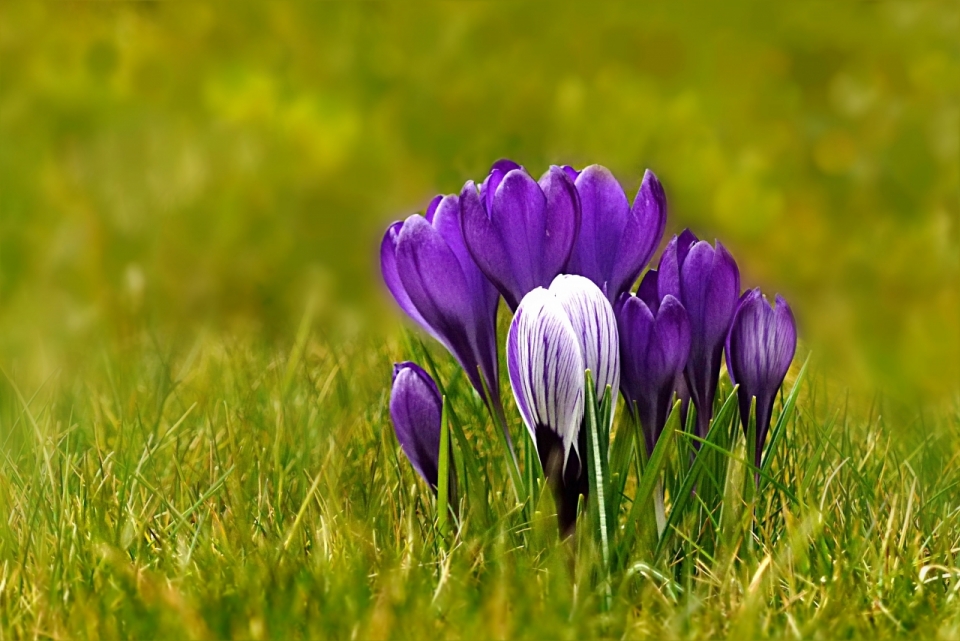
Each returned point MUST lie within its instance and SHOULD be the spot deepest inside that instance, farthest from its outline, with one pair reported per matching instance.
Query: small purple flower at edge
(760, 347)
(416, 411)
(654, 344)
(616, 240)
(426, 266)
(520, 232)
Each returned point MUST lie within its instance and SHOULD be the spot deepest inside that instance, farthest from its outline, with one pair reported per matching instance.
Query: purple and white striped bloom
(416, 411)
(616, 240)
(546, 372)
(760, 347)
(426, 266)
(519, 231)
(556, 335)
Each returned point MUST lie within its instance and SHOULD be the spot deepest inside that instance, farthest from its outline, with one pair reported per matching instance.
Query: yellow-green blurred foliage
(185, 165)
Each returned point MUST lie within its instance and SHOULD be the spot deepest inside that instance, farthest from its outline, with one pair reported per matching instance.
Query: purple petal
(673, 338)
(763, 341)
(635, 327)
(653, 351)
(786, 337)
(388, 268)
(709, 287)
(524, 240)
(640, 235)
(647, 292)
(546, 368)
(603, 215)
(745, 296)
(432, 208)
(519, 215)
(570, 172)
(479, 293)
(562, 222)
(434, 280)
(490, 184)
(415, 409)
(670, 262)
(485, 244)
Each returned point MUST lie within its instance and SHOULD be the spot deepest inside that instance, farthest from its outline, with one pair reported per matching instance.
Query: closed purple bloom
(654, 345)
(427, 268)
(616, 240)
(520, 232)
(416, 411)
(648, 291)
(709, 288)
(671, 261)
(668, 283)
(760, 347)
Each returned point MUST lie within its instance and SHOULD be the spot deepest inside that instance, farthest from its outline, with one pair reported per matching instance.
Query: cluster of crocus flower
(564, 252)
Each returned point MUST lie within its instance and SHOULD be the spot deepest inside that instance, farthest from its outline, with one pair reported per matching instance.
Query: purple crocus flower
(654, 344)
(616, 240)
(556, 335)
(520, 232)
(709, 285)
(415, 409)
(664, 281)
(430, 273)
(760, 347)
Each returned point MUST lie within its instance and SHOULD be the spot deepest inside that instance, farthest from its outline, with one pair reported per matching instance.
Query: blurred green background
(178, 168)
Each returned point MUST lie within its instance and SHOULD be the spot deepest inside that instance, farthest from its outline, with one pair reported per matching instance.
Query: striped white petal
(546, 368)
(595, 324)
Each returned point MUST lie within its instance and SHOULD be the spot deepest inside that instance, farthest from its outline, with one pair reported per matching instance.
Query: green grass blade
(443, 475)
(516, 480)
(597, 467)
(648, 481)
(785, 415)
(685, 496)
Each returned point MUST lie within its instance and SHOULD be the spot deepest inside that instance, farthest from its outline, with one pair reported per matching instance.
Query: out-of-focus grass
(180, 181)
(178, 163)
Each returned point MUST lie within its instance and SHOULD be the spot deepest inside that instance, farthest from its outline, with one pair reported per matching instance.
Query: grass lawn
(237, 489)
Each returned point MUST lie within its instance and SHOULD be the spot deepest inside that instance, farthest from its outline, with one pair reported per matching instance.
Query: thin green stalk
(597, 466)
(443, 476)
(499, 419)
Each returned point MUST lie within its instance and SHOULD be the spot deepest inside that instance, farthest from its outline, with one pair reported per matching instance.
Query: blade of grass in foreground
(648, 482)
(684, 496)
(597, 469)
(443, 475)
(785, 415)
(464, 458)
(509, 454)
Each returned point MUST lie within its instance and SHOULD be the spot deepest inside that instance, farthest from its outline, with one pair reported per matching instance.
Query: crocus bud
(709, 289)
(415, 409)
(654, 344)
(760, 348)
